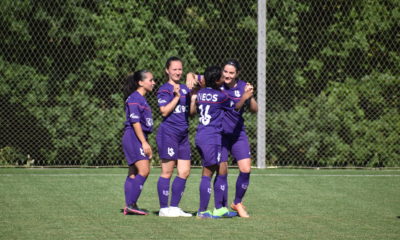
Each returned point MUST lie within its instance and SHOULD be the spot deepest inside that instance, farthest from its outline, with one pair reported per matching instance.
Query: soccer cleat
(176, 211)
(206, 214)
(134, 209)
(240, 209)
(163, 212)
(224, 213)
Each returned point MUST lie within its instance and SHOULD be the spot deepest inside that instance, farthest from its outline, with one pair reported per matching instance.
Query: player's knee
(144, 172)
(184, 174)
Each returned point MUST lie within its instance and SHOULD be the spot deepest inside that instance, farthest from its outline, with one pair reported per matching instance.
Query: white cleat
(177, 212)
(164, 212)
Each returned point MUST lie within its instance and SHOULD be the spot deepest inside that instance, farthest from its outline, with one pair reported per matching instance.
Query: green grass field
(283, 204)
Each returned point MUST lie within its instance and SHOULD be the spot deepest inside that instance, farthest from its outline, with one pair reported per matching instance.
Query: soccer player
(173, 139)
(138, 125)
(211, 104)
(234, 138)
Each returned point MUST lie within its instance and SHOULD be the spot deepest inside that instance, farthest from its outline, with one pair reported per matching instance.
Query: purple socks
(133, 188)
(178, 187)
(163, 191)
(220, 191)
(242, 183)
(205, 193)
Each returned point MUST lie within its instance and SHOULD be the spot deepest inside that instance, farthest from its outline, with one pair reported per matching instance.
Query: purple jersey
(138, 110)
(233, 122)
(178, 119)
(211, 105)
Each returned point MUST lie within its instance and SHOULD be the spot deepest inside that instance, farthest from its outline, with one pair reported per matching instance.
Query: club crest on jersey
(244, 186)
(222, 187)
(165, 193)
(142, 152)
(134, 116)
(209, 190)
(184, 91)
(237, 93)
(171, 152)
(149, 122)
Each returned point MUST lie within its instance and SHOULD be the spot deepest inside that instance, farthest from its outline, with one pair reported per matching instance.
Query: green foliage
(337, 129)
(332, 90)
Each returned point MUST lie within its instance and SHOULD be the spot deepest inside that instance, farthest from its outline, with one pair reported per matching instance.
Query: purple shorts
(132, 147)
(173, 146)
(238, 145)
(210, 154)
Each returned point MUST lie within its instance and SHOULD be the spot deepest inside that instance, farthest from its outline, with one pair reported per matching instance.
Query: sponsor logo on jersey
(209, 190)
(207, 97)
(219, 157)
(180, 109)
(134, 116)
(171, 152)
(161, 101)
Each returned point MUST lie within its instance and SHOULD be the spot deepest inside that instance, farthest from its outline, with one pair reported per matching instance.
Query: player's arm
(139, 134)
(193, 99)
(248, 93)
(253, 106)
(167, 109)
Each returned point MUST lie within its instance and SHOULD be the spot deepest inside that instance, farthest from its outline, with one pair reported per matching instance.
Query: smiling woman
(173, 138)
(138, 124)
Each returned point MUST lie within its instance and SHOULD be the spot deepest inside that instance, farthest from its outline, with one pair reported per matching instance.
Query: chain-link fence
(332, 77)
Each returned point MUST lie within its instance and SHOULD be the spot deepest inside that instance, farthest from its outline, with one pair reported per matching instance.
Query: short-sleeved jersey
(178, 120)
(138, 110)
(233, 122)
(211, 107)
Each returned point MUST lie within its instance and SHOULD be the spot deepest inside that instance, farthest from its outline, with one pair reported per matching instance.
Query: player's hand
(191, 80)
(147, 150)
(248, 91)
(177, 89)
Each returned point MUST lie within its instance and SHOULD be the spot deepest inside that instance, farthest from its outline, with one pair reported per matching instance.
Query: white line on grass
(230, 175)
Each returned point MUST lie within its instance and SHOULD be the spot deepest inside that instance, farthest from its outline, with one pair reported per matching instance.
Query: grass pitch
(283, 204)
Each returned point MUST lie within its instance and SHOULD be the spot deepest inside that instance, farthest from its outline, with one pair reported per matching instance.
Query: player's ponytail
(132, 82)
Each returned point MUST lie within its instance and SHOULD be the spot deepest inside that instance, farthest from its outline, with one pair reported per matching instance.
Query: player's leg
(205, 191)
(241, 151)
(163, 185)
(207, 153)
(220, 186)
(167, 149)
(178, 187)
(179, 183)
(134, 185)
(139, 168)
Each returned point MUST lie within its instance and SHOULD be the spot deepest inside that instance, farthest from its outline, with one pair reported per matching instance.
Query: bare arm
(167, 109)
(139, 133)
(193, 105)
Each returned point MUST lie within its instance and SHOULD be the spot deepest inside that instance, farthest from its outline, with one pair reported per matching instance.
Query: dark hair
(211, 75)
(132, 82)
(234, 63)
(172, 59)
